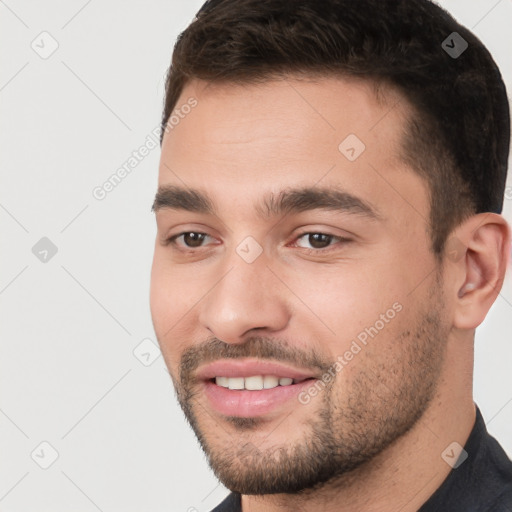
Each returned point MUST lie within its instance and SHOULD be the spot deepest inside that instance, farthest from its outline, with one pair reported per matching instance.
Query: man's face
(310, 264)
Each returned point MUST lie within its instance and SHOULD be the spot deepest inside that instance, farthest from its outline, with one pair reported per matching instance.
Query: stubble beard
(385, 400)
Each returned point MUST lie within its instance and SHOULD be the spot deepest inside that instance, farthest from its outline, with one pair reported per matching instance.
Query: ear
(479, 250)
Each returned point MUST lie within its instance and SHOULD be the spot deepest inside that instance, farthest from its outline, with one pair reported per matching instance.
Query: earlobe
(481, 270)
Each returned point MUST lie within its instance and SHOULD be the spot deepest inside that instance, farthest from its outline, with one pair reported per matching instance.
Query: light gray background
(69, 326)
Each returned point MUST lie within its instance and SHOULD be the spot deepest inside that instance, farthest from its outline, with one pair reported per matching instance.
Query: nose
(248, 297)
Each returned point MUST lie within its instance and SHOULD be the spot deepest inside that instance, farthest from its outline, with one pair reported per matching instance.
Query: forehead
(239, 139)
(277, 113)
(321, 104)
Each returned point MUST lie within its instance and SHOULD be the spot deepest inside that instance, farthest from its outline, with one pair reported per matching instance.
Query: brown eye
(193, 239)
(320, 242)
(189, 239)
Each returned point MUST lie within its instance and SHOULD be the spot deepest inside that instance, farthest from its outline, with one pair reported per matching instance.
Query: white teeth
(270, 381)
(222, 381)
(236, 383)
(253, 383)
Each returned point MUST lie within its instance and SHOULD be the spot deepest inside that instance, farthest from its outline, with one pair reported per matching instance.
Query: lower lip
(249, 404)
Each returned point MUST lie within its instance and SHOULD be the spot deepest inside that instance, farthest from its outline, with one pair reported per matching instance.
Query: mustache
(255, 347)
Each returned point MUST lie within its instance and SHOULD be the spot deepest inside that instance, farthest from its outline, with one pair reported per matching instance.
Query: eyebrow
(293, 200)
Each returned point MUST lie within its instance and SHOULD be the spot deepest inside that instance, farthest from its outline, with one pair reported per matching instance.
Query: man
(329, 238)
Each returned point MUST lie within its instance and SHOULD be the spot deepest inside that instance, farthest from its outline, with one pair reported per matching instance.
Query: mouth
(251, 388)
(256, 382)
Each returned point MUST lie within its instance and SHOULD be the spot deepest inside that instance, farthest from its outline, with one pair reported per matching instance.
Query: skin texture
(372, 439)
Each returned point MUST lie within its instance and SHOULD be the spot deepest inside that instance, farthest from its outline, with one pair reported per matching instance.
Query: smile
(255, 382)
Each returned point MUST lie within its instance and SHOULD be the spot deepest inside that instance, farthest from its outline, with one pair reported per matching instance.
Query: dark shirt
(482, 483)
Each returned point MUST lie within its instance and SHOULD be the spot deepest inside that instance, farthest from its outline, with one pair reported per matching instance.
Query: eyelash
(172, 241)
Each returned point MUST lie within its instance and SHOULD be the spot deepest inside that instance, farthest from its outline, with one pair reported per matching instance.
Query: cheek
(160, 298)
(375, 358)
(167, 309)
(171, 291)
(351, 297)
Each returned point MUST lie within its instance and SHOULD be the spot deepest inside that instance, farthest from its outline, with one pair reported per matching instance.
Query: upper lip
(249, 368)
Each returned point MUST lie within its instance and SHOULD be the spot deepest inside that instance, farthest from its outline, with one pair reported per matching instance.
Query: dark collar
(482, 483)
